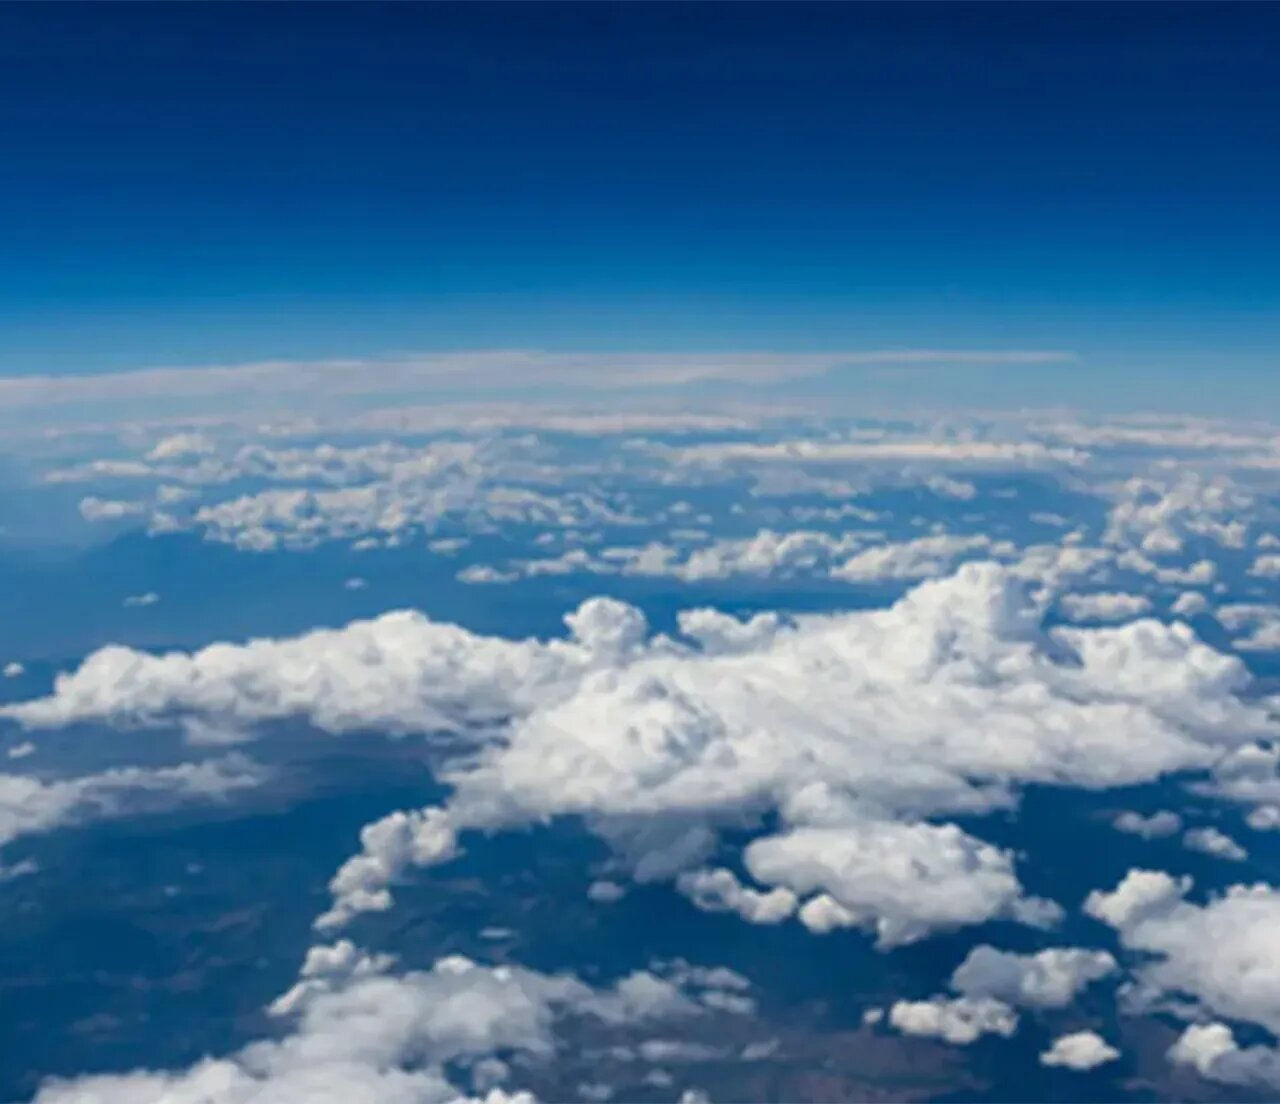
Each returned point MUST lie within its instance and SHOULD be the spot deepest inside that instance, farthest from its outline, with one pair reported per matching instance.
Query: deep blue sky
(187, 183)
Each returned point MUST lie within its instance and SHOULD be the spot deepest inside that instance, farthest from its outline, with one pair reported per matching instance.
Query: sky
(202, 184)
(645, 553)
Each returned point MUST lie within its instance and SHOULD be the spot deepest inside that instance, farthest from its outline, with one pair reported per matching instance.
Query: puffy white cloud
(1211, 841)
(858, 732)
(605, 892)
(952, 684)
(1188, 604)
(1225, 953)
(13, 669)
(917, 559)
(1268, 567)
(959, 1020)
(946, 487)
(29, 805)
(1261, 619)
(179, 445)
(150, 598)
(1080, 1050)
(720, 891)
(361, 1036)
(1156, 826)
(902, 880)
(1159, 517)
(1213, 1051)
(107, 509)
(1047, 979)
(1104, 607)
(1264, 818)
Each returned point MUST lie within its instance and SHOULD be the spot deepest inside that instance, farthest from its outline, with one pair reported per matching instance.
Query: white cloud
(13, 669)
(1264, 818)
(917, 559)
(1268, 567)
(946, 487)
(361, 1036)
(1210, 841)
(1188, 604)
(1047, 979)
(180, 445)
(1081, 1050)
(1158, 517)
(720, 891)
(29, 805)
(1211, 1049)
(102, 509)
(1104, 607)
(305, 382)
(1222, 953)
(1156, 826)
(150, 598)
(960, 1020)
(859, 732)
(1261, 619)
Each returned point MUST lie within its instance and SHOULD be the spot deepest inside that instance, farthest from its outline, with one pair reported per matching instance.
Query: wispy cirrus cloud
(490, 371)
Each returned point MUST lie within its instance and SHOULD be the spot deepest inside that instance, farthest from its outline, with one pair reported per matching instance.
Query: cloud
(960, 1020)
(1156, 826)
(1047, 979)
(1222, 953)
(29, 805)
(1081, 1050)
(1188, 604)
(359, 1035)
(310, 383)
(102, 509)
(1211, 1049)
(1158, 516)
(853, 735)
(180, 445)
(824, 451)
(1104, 607)
(917, 559)
(1210, 841)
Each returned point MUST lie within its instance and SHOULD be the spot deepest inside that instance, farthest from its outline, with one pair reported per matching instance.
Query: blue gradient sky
(196, 184)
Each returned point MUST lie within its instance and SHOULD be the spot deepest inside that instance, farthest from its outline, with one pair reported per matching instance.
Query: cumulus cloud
(1188, 604)
(1047, 979)
(856, 734)
(180, 445)
(1159, 517)
(1222, 953)
(917, 559)
(104, 509)
(1267, 567)
(660, 752)
(29, 805)
(1104, 607)
(1211, 841)
(1156, 826)
(359, 1035)
(1211, 1049)
(960, 1020)
(1080, 1050)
